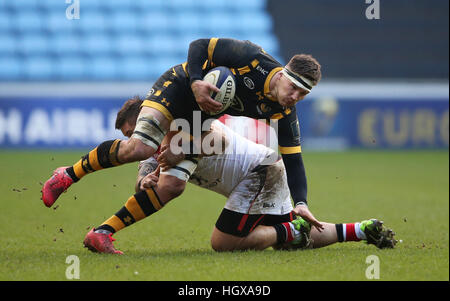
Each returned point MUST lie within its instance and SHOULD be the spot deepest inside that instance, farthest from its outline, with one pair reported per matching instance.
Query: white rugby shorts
(263, 191)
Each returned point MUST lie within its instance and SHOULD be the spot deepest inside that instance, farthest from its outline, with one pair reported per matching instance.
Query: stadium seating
(123, 40)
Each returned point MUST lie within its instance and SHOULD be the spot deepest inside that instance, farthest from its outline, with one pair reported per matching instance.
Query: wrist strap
(303, 203)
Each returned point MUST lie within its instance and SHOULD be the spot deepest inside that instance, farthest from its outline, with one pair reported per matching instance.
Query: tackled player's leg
(260, 227)
(258, 214)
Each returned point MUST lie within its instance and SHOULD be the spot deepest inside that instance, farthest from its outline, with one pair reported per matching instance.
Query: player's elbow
(199, 42)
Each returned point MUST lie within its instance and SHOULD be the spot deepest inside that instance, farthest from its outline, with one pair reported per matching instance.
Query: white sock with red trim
(353, 232)
(286, 232)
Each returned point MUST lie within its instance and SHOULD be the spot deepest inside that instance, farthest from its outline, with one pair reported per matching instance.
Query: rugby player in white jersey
(258, 212)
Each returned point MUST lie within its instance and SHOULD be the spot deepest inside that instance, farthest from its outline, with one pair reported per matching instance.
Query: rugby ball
(222, 78)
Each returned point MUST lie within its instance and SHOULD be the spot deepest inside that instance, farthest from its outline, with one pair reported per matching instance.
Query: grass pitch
(409, 191)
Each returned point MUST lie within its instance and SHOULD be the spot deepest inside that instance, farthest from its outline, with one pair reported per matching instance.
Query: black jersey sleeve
(226, 52)
(296, 177)
(291, 152)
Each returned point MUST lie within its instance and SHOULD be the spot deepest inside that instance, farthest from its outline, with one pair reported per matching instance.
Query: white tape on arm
(182, 170)
(148, 131)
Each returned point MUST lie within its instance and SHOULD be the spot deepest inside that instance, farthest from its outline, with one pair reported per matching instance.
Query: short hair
(129, 111)
(307, 66)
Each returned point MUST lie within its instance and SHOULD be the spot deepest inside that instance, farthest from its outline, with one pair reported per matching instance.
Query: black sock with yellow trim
(103, 156)
(139, 206)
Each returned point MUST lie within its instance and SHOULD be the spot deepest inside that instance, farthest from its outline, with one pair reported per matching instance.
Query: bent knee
(223, 242)
(219, 246)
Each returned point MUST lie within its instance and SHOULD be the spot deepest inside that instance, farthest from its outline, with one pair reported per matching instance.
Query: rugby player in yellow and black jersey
(265, 89)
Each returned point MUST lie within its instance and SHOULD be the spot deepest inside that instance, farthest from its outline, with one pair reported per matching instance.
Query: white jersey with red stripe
(250, 175)
(222, 173)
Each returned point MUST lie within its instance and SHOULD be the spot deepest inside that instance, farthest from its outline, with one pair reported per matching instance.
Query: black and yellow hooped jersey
(253, 69)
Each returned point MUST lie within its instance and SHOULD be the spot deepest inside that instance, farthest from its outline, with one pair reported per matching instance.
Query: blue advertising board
(374, 123)
(57, 122)
(325, 123)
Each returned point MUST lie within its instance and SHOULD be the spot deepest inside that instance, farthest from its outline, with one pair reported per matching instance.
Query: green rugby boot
(377, 234)
(303, 238)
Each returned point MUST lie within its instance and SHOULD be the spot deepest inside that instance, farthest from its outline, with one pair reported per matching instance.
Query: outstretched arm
(291, 152)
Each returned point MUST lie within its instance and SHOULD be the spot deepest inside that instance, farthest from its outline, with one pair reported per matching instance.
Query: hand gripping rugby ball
(223, 79)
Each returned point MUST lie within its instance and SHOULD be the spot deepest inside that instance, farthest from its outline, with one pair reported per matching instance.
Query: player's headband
(298, 80)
